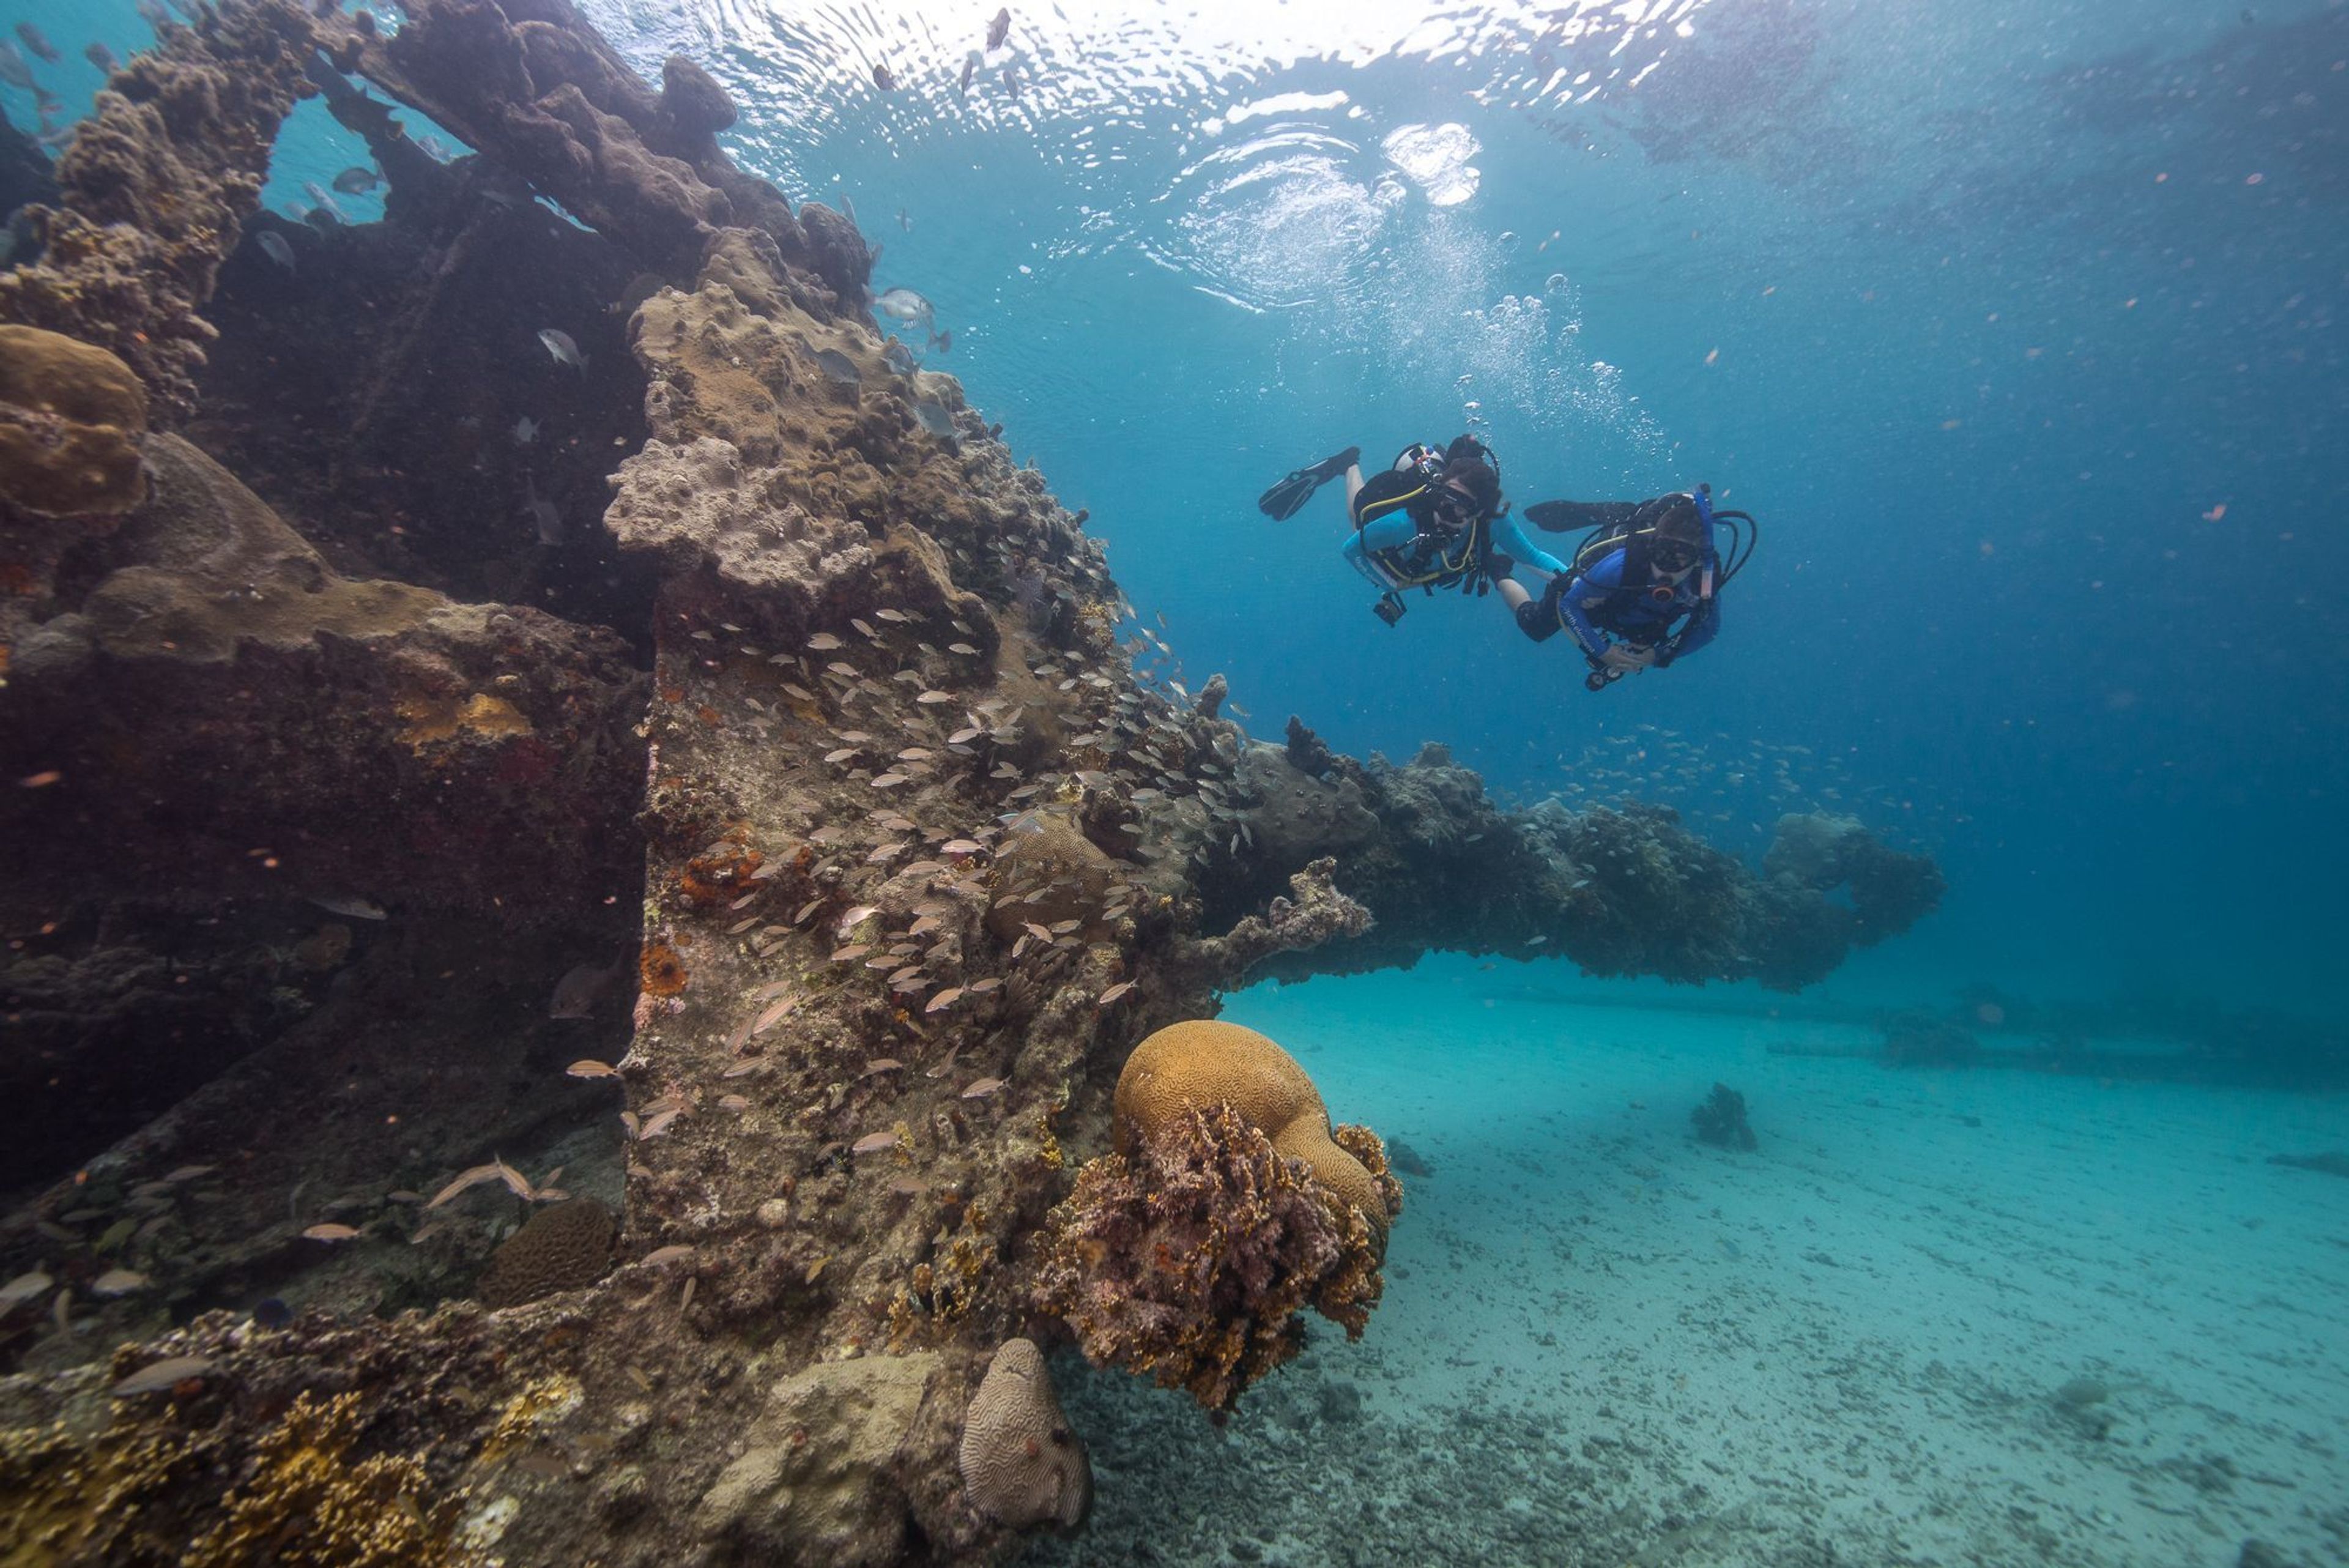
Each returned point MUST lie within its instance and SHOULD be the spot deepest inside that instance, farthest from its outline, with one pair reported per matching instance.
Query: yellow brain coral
(1202, 1062)
(70, 419)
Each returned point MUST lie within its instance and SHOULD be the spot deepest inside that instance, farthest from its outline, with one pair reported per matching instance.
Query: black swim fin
(1575, 517)
(1284, 500)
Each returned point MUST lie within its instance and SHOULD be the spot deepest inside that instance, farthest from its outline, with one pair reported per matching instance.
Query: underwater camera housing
(1389, 609)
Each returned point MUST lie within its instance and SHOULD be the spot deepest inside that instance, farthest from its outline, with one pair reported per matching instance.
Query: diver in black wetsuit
(1435, 519)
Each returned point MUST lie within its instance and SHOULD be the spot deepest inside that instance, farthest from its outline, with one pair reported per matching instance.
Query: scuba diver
(1433, 520)
(1645, 586)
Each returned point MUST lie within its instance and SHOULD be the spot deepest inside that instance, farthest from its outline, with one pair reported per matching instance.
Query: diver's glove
(1623, 657)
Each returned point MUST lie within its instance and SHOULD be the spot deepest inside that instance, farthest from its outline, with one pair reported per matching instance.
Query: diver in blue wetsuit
(1645, 586)
(1431, 520)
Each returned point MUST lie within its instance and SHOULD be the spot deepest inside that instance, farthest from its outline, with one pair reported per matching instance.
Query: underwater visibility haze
(696, 872)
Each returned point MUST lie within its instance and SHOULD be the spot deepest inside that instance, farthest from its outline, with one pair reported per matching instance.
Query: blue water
(1986, 312)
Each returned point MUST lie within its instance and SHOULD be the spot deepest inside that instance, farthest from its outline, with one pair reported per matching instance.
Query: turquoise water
(2018, 327)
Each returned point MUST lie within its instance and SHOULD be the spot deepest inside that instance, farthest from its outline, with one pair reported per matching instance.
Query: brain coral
(1020, 1463)
(1201, 1062)
(562, 1248)
(70, 419)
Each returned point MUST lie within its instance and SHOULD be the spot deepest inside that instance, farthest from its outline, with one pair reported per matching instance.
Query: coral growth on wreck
(563, 1246)
(70, 419)
(1204, 1062)
(1020, 1463)
(1190, 1258)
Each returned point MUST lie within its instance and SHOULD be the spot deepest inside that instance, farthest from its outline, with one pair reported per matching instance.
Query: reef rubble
(726, 969)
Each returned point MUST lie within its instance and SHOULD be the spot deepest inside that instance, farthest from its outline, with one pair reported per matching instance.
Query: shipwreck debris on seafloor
(1720, 1120)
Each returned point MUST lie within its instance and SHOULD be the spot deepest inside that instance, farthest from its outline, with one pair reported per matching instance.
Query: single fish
(40, 45)
(152, 14)
(102, 57)
(899, 358)
(575, 993)
(1011, 80)
(885, 78)
(161, 1375)
(118, 1282)
(559, 344)
(271, 1312)
(874, 1143)
(273, 246)
(969, 69)
(14, 67)
(525, 430)
(1000, 29)
(434, 149)
(944, 342)
(933, 418)
(331, 1233)
(904, 221)
(903, 304)
(326, 200)
(23, 1288)
(542, 514)
(838, 367)
(349, 905)
(357, 181)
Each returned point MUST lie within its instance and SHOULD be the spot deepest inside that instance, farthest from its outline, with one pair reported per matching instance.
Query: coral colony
(745, 1009)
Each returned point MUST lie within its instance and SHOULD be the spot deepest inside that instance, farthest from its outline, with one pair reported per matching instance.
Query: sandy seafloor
(1603, 1343)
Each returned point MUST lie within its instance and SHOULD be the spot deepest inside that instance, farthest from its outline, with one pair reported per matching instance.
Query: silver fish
(273, 246)
(1000, 29)
(839, 367)
(102, 57)
(326, 200)
(559, 344)
(14, 68)
(543, 514)
(904, 304)
(349, 905)
(525, 430)
(934, 418)
(41, 46)
(357, 181)
(162, 1374)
